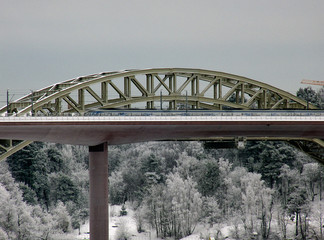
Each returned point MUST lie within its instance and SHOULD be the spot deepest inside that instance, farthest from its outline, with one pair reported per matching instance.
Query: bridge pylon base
(98, 177)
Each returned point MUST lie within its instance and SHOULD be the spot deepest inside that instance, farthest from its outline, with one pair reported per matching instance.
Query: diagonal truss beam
(162, 83)
(231, 91)
(139, 86)
(184, 85)
(312, 147)
(213, 82)
(93, 94)
(14, 148)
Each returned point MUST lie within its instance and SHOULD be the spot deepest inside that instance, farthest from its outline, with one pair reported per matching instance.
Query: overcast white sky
(279, 42)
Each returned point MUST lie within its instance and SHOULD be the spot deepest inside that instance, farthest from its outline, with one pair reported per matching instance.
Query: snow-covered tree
(186, 165)
(312, 178)
(61, 218)
(174, 208)
(17, 218)
(186, 204)
(117, 188)
(211, 212)
(257, 204)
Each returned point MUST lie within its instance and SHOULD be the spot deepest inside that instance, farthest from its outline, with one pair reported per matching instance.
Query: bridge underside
(90, 131)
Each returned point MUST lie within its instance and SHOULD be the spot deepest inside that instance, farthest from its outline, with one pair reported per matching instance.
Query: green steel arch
(204, 88)
(147, 89)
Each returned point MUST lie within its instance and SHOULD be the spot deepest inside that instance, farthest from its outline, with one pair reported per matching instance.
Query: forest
(268, 190)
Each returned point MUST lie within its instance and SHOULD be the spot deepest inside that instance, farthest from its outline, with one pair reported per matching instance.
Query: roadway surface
(129, 129)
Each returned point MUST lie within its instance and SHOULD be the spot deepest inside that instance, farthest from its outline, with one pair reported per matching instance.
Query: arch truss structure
(163, 88)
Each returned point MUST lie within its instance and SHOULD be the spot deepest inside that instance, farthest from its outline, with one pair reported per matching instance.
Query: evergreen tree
(63, 189)
(208, 178)
(267, 158)
(30, 166)
(55, 160)
(309, 95)
(23, 164)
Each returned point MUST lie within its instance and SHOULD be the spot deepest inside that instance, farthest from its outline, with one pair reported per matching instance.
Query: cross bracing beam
(204, 89)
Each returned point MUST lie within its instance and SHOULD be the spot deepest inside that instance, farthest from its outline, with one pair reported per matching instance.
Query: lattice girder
(208, 88)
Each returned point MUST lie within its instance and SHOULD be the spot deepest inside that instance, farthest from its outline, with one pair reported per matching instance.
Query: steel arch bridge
(170, 88)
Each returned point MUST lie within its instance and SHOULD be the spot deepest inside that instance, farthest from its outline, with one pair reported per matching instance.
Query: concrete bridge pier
(98, 176)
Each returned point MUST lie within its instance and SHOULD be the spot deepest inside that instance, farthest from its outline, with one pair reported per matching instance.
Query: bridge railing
(182, 112)
(205, 113)
(164, 118)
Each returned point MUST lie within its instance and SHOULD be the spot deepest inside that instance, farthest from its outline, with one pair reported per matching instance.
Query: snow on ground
(192, 237)
(127, 224)
(118, 223)
(205, 231)
(84, 230)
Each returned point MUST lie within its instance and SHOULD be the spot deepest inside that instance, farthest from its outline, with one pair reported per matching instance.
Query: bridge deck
(127, 129)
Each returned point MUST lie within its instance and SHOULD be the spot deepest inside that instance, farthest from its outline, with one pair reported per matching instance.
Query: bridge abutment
(98, 177)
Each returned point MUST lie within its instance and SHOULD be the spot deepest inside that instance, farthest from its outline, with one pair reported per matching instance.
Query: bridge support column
(98, 174)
